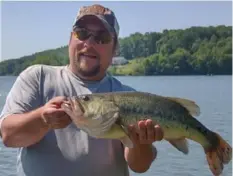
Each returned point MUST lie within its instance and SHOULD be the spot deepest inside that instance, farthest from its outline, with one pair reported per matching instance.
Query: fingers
(58, 122)
(154, 131)
(133, 133)
(53, 111)
(142, 131)
(55, 118)
(53, 115)
(158, 133)
(147, 132)
(57, 101)
(62, 122)
(151, 134)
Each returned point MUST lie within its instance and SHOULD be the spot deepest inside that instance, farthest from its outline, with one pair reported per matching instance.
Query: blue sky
(29, 27)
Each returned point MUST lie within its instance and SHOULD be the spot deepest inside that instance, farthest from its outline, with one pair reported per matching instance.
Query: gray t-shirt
(67, 151)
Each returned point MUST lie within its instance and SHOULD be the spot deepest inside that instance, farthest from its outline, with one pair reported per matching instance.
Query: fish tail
(218, 154)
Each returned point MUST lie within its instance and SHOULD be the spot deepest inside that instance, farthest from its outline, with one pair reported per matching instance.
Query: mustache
(90, 51)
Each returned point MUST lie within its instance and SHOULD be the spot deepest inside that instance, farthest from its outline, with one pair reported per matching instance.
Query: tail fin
(218, 155)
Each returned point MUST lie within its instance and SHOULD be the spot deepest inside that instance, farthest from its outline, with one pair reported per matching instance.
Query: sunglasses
(100, 37)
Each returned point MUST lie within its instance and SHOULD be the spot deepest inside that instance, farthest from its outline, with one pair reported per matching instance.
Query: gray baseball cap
(105, 15)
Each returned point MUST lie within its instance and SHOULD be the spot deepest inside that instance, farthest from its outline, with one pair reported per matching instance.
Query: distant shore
(192, 51)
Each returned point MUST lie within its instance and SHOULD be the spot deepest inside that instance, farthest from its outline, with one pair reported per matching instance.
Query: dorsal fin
(191, 106)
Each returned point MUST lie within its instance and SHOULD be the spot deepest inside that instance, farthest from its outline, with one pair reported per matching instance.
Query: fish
(107, 116)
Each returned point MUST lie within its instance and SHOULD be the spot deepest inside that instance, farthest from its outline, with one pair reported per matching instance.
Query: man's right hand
(53, 115)
(23, 130)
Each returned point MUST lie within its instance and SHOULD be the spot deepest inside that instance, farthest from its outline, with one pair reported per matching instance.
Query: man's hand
(26, 129)
(140, 157)
(53, 115)
(145, 132)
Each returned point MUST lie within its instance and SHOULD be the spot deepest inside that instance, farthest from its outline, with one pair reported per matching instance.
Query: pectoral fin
(181, 144)
(117, 132)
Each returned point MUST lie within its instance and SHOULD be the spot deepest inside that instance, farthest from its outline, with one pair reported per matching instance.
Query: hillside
(195, 50)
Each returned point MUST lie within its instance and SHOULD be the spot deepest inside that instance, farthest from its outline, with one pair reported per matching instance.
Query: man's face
(88, 58)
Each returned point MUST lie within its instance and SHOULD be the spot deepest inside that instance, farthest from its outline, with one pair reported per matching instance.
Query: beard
(87, 66)
(87, 72)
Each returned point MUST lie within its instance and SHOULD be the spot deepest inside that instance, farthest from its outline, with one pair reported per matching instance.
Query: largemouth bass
(107, 115)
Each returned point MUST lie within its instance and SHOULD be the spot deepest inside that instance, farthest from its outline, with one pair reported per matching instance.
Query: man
(49, 143)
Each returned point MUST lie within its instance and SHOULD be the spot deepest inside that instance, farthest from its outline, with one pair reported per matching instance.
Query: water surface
(212, 93)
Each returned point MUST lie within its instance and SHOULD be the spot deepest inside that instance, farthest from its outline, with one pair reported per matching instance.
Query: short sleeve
(24, 95)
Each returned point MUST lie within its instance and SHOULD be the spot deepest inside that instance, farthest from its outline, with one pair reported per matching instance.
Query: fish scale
(106, 115)
(131, 112)
(135, 106)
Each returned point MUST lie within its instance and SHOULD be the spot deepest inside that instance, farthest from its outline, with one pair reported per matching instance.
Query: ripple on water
(211, 95)
(7, 161)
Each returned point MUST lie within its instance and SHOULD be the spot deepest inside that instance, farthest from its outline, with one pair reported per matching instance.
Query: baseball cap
(105, 15)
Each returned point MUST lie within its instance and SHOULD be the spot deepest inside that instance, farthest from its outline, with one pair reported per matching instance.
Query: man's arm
(141, 156)
(23, 130)
(22, 123)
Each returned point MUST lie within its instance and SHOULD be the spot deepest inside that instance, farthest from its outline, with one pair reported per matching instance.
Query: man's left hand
(145, 132)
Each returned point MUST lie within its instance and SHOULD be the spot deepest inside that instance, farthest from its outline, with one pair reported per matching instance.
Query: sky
(29, 27)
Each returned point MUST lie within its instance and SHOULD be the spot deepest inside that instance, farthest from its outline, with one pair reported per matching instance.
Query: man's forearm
(140, 157)
(22, 130)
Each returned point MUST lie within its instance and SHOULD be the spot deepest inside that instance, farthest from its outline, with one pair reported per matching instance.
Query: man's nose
(90, 41)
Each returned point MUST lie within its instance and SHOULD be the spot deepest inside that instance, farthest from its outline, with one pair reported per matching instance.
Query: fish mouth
(70, 105)
(76, 112)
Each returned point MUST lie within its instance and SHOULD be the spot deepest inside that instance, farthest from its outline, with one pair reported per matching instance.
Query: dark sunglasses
(100, 37)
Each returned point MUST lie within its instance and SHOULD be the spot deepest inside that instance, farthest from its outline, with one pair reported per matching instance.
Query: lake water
(212, 93)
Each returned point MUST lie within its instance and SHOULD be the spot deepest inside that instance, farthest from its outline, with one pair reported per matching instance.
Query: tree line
(191, 51)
